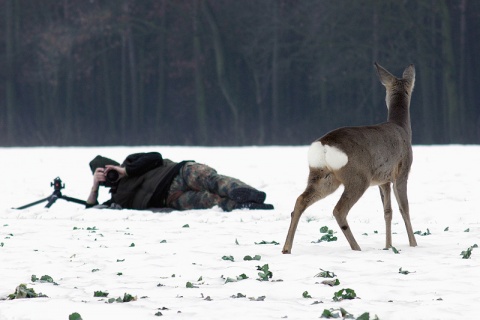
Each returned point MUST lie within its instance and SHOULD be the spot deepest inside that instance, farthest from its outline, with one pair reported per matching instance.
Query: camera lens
(112, 176)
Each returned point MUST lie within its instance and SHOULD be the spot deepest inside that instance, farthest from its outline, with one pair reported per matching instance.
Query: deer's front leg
(400, 190)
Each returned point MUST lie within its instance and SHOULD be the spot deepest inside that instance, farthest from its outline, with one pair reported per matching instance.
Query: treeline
(231, 72)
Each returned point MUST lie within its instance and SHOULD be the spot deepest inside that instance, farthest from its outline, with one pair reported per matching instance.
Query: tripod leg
(32, 204)
(51, 200)
(74, 200)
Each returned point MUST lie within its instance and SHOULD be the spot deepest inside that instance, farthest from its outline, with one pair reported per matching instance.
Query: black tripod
(57, 194)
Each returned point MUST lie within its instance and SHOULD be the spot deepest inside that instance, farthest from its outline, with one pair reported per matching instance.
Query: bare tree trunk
(201, 106)
(275, 71)
(452, 111)
(111, 114)
(162, 69)
(135, 110)
(131, 109)
(260, 106)
(69, 122)
(223, 80)
(123, 89)
(375, 39)
(425, 67)
(462, 87)
(9, 133)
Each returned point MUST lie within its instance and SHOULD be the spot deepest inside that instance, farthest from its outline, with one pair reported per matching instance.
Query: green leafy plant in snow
(22, 292)
(100, 294)
(344, 314)
(75, 316)
(404, 271)
(336, 314)
(264, 273)
(328, 235)
(344, 294)
(268, 242)
(395, 250)
(243, 276)
(325, 274)
(467, 253)
(250, 258)
(331, 283)
(44, 279)
(427, 233)
(229, 258)
(126, 298)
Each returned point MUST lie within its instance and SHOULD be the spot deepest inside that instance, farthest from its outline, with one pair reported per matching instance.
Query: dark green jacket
(148, 180)
(136, 191)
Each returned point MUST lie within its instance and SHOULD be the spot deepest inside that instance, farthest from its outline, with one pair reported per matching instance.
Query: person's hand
(122, 172)
(98, 177)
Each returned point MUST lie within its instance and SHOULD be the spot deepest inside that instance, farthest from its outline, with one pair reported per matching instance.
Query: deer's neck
(399, 112)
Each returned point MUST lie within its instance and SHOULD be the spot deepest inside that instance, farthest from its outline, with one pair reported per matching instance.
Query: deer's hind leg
(353, 191)
(321, 183)
(385, 193)
(400, 190)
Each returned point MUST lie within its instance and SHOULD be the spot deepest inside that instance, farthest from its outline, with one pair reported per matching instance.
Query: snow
(123, 251)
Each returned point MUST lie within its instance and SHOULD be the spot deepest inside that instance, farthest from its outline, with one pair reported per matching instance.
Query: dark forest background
(231, 72)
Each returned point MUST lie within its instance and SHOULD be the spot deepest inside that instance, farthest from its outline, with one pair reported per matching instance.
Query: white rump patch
(321, 156)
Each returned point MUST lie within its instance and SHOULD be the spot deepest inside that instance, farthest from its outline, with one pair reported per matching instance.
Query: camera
(111, 179)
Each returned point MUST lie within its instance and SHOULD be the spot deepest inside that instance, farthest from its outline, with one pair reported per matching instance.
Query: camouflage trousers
(198, 186)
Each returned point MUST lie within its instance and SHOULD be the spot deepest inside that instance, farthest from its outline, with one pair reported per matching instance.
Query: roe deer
(359, 157)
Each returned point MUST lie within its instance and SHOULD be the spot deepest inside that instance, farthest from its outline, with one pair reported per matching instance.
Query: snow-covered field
(180, 272)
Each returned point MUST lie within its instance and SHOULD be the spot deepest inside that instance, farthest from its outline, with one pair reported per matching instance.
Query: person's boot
(246, 194)
(229, 205)
(254, 206)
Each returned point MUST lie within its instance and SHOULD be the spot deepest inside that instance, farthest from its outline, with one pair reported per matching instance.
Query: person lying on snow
(147, 181)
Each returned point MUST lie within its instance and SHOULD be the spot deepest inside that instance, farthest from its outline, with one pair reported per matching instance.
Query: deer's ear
(386, 78)
(409, 74)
